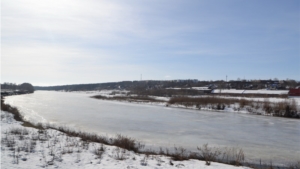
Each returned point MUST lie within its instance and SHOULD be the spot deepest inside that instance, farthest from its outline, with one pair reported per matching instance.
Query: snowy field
(108, 93)
(29, 148)
(234, 91)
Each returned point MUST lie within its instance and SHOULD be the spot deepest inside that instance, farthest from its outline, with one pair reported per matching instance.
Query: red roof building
(294, 92)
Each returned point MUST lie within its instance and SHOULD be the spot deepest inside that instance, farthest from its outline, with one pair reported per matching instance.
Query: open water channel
(267, 138)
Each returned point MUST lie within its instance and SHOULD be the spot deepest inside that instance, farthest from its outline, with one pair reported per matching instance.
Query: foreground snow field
(24, 147)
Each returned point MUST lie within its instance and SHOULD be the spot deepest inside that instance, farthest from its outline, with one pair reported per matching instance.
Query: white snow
(200, 88)
(234, 91)
(194, 88)
(107, 93)
(53, 149)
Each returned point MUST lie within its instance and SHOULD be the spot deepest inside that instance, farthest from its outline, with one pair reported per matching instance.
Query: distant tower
(141, 77)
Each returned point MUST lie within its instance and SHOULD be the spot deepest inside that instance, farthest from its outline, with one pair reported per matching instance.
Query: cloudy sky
(55, 42)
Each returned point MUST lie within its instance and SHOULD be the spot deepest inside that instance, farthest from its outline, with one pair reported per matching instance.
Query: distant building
(294, 92)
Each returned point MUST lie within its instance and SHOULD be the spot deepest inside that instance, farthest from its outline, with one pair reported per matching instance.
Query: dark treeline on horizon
(159, 84)
(13, 87)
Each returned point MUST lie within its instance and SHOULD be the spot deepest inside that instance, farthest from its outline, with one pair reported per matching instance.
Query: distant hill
(124, 85)
(184, 84)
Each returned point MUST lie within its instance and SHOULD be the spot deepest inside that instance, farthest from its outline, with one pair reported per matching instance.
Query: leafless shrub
(257, 104)
(85, 145)
(267, 106)
(127, 143)
(119, 141)
(282, 109)
(3, 116)
(236, 109)
(208, 154)
(67, 150)
(83, 135)
(293, 105)
(100, 97)
(294, 166)
(98, 151)
(10, 142)
(18, 131)
(149, 152)
(234, 156)
(180, 154)
(14, 155)
(171, 163)
(199, 102)
(139, 98)
(51, 150)
(17, 155)
(32, 146)
(243, 103)
(167, 152)
(77, 158)
(194, 155)
(144, 161)
(51, 161)
(159, 160)
(161, 151)
(119, 154)
(249, 109)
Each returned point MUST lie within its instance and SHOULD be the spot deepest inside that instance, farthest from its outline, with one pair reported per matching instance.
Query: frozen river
(266, 138)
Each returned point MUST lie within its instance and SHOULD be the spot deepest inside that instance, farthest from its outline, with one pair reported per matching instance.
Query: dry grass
(128, 98)
(127, 143)
(252, 95)
(119, 141)
(168, 92)
(287, 108)
(208, 154)
(17, 115)
(199, 102)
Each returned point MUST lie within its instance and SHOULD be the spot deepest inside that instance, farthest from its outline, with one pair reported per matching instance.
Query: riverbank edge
(17, 115)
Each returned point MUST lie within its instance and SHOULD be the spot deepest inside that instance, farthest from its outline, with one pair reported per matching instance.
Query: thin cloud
(46, 41)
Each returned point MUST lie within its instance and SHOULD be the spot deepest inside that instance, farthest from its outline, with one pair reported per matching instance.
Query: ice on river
(266, 138)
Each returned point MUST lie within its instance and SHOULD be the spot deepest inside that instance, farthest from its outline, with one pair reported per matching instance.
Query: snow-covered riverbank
(23, 147)
(272, 106)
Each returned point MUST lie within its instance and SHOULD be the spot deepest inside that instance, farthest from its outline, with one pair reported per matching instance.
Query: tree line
(157, 85)
(21, 87)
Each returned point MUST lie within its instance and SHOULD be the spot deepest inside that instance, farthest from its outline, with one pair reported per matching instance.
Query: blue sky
(71, 41)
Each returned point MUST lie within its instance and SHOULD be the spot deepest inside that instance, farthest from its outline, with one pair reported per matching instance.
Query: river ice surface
(267, 138)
